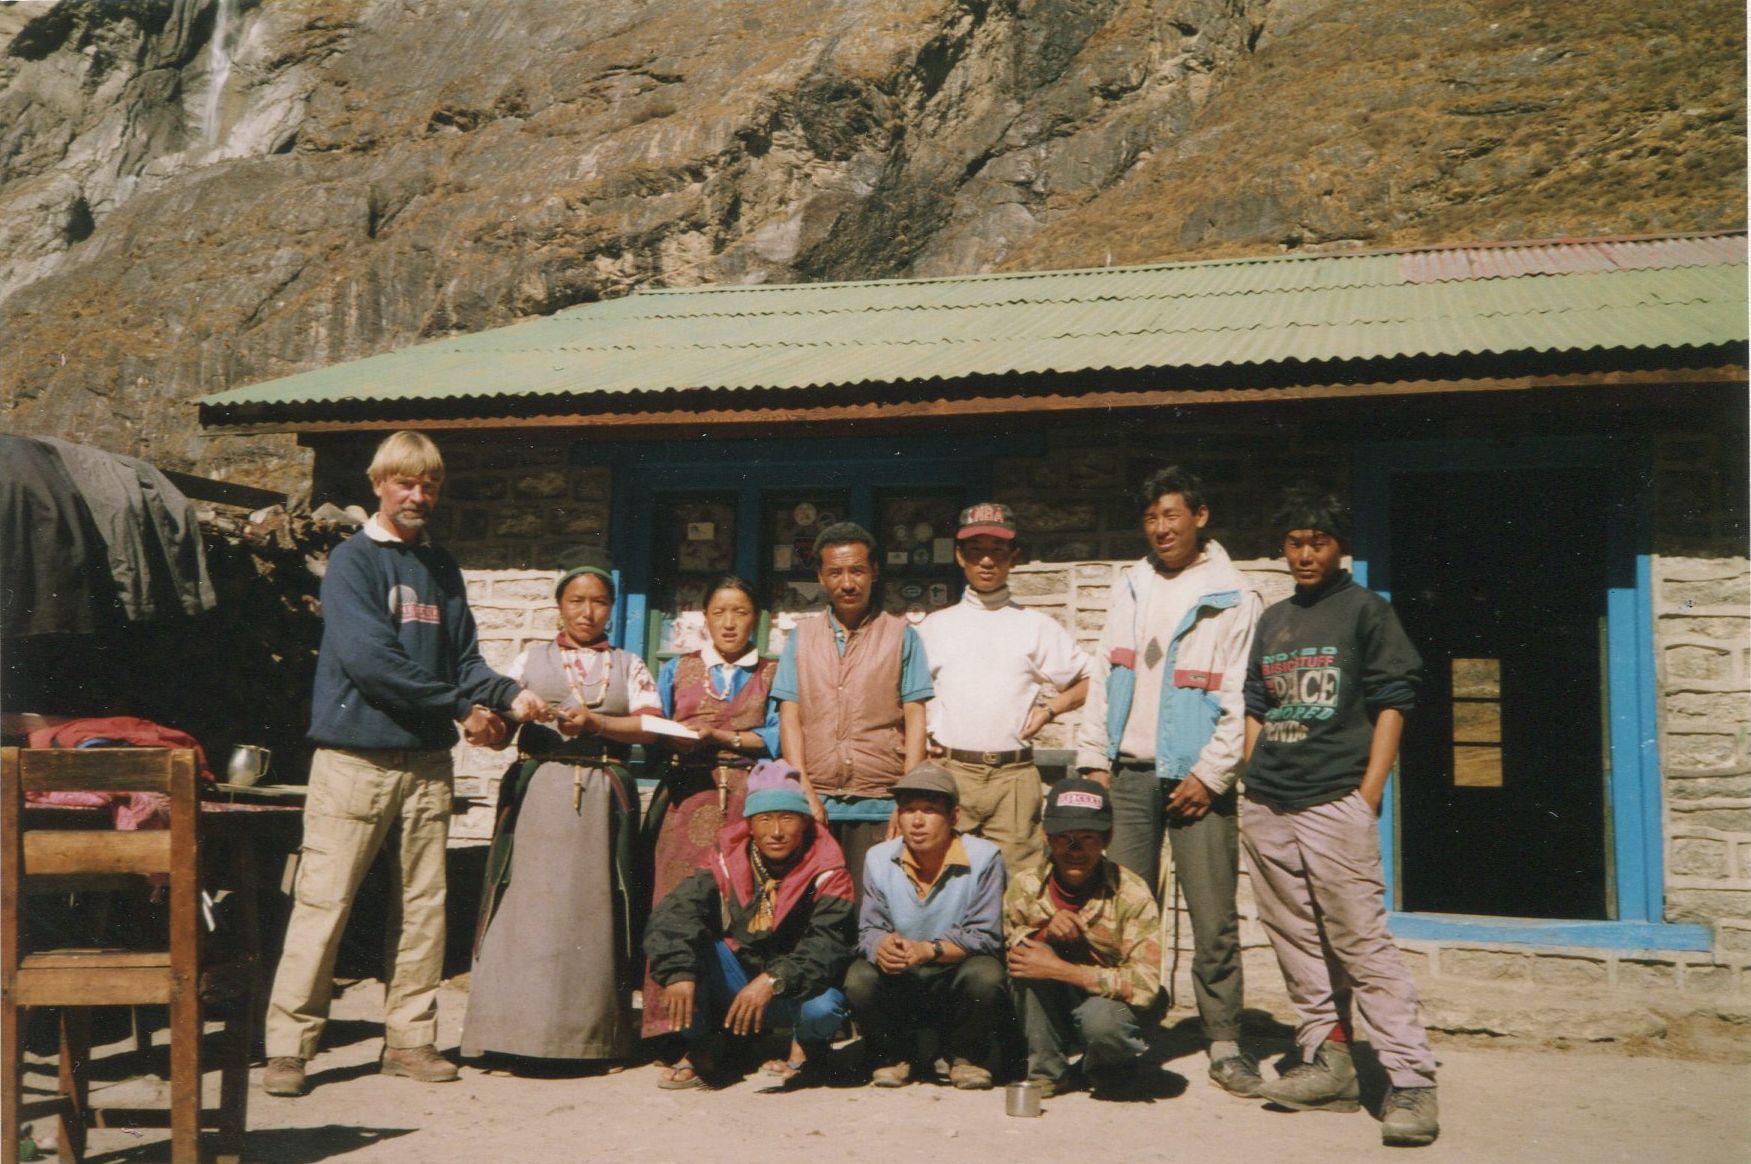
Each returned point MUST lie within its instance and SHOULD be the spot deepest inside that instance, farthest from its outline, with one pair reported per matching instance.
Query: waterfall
(218, 67)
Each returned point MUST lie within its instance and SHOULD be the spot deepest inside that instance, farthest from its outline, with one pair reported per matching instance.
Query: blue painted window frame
(747, 468)
(1636, 846)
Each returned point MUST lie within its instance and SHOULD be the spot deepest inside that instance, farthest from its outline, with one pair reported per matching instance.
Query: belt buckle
(992, 759)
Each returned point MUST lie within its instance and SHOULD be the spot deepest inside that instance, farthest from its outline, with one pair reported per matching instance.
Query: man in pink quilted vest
(851, 688)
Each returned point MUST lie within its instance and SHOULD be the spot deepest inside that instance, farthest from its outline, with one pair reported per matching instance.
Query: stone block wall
(513, 610)
(1702, 645)
(1075, 503)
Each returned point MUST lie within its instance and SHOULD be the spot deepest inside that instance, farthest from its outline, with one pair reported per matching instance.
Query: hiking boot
(421, 1063)
(284, 1076)
(1328, 1083)
(1237, 1075)
(1408, 1117)
(893, 1075)
(966, 1076)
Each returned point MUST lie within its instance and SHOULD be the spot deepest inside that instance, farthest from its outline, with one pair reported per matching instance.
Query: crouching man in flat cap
(1084, 948)
(930, 936)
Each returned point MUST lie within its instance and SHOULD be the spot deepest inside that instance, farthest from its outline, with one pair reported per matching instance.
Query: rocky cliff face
(201, 193)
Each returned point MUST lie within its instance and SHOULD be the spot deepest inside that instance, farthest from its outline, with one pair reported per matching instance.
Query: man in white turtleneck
(990, 662)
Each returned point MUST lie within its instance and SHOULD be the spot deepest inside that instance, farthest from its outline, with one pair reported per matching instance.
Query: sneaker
(966, 1076)
(893, 1075)
(421, 1063)
(1237, 1075)
(1408, 1117)
(284, 1076)
(1328, 1083)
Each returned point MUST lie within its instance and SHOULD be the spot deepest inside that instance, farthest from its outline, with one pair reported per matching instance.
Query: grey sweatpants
(1206, 861)
(1316, 877)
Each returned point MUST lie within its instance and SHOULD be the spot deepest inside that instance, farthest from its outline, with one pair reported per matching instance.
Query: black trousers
(965, 1002)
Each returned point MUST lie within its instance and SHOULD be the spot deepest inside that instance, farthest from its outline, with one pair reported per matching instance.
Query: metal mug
(249, 763)
(1022, 1099)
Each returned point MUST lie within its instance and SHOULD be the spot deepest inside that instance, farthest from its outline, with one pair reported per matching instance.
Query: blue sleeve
(359, 631)
(874, 922)
(784, 681)
(768, 731)
(915, 685)
(980, 930)
(666, 686)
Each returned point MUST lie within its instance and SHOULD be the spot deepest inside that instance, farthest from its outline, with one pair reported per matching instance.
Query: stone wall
(1702, 644)
(513, 610)
(1075, 503)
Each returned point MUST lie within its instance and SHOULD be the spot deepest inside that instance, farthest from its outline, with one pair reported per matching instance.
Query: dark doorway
(1500, 578)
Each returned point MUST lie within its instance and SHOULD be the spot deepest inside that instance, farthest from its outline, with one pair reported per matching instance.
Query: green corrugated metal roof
(1440, 302)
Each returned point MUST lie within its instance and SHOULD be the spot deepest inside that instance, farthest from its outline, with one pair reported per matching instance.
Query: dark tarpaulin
(149, 529)
(53, 574)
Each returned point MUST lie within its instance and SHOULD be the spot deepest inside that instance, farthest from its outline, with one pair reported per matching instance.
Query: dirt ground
(1498, 1103)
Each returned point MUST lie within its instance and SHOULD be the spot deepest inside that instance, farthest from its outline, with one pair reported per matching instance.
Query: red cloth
(136, 809)
(141, 733)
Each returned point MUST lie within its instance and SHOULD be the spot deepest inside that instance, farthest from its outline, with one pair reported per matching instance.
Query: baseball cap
(930, 778)
(1075, 803)
(988, 518)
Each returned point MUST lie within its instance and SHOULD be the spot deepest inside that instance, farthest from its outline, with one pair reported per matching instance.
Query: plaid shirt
(1121, 926)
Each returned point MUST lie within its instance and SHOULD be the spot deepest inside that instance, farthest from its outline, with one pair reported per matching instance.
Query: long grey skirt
(544, 983)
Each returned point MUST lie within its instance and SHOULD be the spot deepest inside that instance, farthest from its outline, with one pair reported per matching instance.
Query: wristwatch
(777, 983)
(936, 949)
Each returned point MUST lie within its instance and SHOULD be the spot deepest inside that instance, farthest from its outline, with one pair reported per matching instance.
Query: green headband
(559, 587)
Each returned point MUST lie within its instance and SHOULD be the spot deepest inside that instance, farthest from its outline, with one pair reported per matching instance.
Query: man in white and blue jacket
(930, 938)
(1164, 729)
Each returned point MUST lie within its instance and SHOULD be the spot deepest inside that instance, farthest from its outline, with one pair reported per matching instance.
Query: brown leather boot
(421, 1063)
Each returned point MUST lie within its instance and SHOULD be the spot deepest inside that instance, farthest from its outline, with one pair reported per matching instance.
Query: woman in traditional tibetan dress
(721, 692)
(555, 953)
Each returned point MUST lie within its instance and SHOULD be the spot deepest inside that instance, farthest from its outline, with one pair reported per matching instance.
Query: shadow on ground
(271, 1145)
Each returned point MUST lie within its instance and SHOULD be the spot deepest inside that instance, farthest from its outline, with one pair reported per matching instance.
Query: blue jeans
(812, 1021)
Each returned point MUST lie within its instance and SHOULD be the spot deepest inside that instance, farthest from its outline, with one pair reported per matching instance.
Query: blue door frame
(1633, 794)
(748, 469)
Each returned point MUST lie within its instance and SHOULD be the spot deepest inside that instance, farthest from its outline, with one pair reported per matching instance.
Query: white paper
(666, 727)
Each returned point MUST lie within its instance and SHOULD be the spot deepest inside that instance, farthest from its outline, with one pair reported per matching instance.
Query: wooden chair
(35, 856)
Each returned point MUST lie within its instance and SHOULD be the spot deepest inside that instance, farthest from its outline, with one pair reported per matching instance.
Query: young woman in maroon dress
(721, 692)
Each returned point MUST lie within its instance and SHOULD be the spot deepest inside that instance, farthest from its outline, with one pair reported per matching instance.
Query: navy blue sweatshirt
(399, 664)
(1324, 664)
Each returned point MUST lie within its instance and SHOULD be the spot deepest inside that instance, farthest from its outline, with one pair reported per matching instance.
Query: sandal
(783, 1069)
(682, 1076)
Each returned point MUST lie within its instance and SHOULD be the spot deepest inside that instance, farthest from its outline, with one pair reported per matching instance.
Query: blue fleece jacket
(399, 664)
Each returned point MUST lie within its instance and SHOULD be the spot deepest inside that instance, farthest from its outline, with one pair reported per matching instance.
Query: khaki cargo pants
(357, 801)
